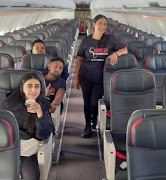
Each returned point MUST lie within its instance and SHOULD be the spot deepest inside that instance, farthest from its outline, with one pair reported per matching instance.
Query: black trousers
(92, 92)
(30, 168)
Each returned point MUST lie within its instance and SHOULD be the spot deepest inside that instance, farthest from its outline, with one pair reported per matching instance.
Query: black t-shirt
(55, 85)
(94, 57)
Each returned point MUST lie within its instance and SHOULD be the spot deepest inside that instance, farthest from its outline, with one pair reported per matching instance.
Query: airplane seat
(24, 43)
(161, 45)
(37, 62)
(127, 39)
(156, 63)
(122, 35)
(57, 44)
(143, 36)
(16, 35)
(164, 93)
(134, 44)
(16, 52)
(52, 51)
(63, 43)
(7, 39)
(30, 38)
(6, 61)
(126, 61)
(1, 43)
(150, 41)
(9, 80)
(145, 144)
(23, 32)
(30, 30)
(142, 52)
(130, 90)
(9, 146)
(38, 34)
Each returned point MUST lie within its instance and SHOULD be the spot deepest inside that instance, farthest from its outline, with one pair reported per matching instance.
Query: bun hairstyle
(104, 39)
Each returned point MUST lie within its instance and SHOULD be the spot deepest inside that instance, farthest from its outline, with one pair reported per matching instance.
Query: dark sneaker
(87, 131)
(94, 123)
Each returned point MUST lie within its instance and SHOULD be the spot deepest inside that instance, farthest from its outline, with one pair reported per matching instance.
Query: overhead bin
(68, 4)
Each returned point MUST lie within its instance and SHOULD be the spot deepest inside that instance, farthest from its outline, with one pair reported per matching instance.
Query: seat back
(151, 40)
(142, 52)
(126, 61)
(6, 61)
(16, 52)
(35, 61)
(52, 51)
(145, 142)
(157, 64)
(130, 90)
(134, 44)
(24, 43)
(10, 79)
(161, 45)
(9, 146)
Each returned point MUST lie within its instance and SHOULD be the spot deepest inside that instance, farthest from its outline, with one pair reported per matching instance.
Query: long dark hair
(104, 39)
(18, 96)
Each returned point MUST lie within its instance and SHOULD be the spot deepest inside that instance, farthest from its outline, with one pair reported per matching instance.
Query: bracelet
(116, 53)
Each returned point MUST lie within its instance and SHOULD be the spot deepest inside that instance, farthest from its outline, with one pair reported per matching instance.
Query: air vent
(154, 4)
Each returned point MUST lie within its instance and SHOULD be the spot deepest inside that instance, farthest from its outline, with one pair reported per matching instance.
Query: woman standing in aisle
(93, 51)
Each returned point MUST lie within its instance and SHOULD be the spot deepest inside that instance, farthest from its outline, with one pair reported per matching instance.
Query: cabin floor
(76, 158)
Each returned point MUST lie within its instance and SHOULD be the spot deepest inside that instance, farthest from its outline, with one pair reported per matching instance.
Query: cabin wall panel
(15, 22)
(150, 24)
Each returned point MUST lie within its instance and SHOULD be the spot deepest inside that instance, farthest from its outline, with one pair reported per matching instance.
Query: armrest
(56, 118)
(45, 157)
(102, 112)
(109, 155)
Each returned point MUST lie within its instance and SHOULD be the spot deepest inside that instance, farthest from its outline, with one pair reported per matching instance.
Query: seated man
(55, 85)
(38, 47)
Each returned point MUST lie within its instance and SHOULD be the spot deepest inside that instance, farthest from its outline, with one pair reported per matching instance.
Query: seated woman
(34, 122)
(38, 47)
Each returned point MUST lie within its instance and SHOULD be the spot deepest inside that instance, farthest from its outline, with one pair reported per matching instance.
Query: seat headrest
(142, 51)
(126, 61)
(135, 81)
(14, 51)
(156, 62)
(6, 134)
(161, 45)
(6, 61)
(35, 61)
(149, 132)
(10, 79)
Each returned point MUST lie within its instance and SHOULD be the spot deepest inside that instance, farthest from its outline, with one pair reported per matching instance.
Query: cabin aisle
(79, 157)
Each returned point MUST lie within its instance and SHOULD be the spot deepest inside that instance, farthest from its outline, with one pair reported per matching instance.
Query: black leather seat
(142, 52)
(36, 62)
(10, 79)
(157, 64)
(9, 147)
(134, 44)
(6, 61)
(130, 90)
(126, 61)
(161, 45)
(146, 147)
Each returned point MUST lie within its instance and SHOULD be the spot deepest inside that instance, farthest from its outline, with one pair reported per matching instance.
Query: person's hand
(76, 83)
(35, 108)
(113, 58)
(53, 108)
(48, 90)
